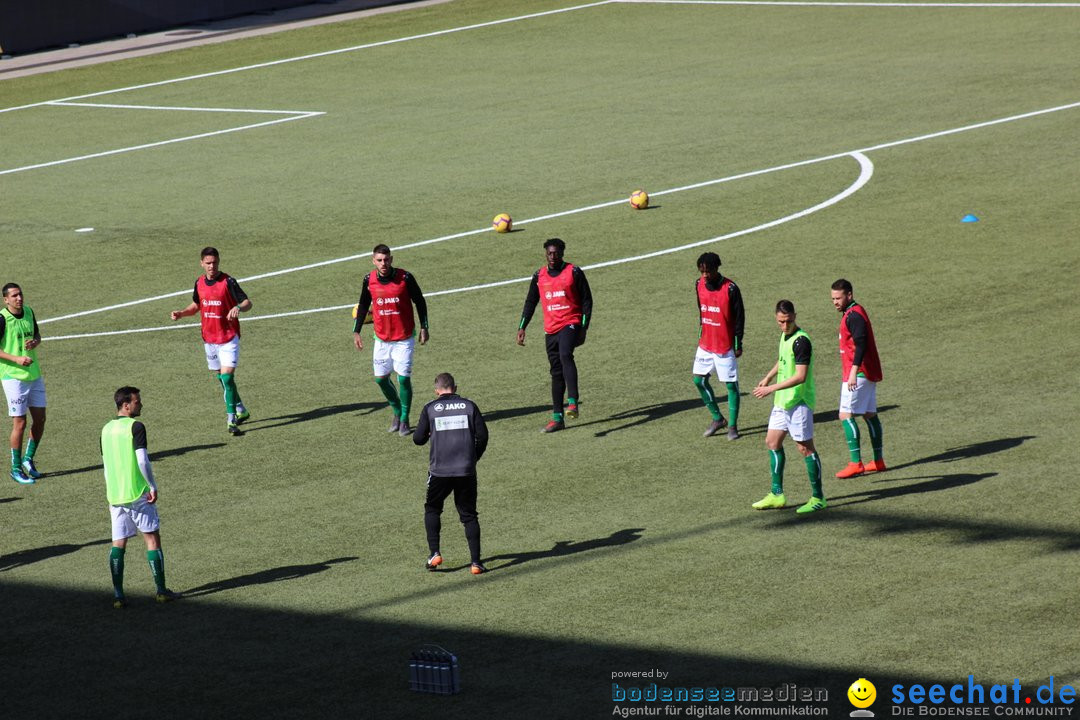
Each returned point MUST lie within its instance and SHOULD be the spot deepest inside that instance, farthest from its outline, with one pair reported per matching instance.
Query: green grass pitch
(803, 143)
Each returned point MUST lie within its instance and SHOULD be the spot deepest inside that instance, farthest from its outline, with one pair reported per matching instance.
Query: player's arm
(762, 389)
(738, 317)
(243, 302)
(421, 305)
(480, 431)
(191, 309)
(532, 299)
(802, 351)
(581, 286)
(422, 431)
(362, 307)
(142, 456)
(857, 327)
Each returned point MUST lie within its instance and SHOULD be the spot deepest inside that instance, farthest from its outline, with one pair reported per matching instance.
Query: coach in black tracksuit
(458, 439)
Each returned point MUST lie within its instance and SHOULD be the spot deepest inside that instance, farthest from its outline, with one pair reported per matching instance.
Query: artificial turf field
(803, 143)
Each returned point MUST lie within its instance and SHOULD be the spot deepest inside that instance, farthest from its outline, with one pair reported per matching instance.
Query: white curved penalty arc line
(866, 171)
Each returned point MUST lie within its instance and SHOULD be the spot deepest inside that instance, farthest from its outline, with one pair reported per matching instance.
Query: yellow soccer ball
(502, 223)
(639, 199)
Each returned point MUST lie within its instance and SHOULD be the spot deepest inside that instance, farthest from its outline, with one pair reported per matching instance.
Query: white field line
(694, 186)
(184, 109)
(795, 3)
(865, 173)
(159, 143)
(311, 56)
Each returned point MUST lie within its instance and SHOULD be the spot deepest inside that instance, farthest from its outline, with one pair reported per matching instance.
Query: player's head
(210, 259)
(128, 401)
(382, 259)
(708, 265)
(13, 297)
(785, 316)
(841, 294)
(444, 383)
(553, 250)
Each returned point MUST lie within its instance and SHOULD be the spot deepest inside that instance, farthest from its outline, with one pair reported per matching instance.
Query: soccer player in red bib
(390, 294)
(567, 307)
(860, 375)
(719, 341)
(219, 301)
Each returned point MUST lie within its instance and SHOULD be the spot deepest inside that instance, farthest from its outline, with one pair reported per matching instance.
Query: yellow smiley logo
(862, 693)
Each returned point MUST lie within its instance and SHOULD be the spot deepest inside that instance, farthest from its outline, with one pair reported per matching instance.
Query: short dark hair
(10, 286)
(709, 261)
(842, 284)
(445, 381)
(786, 307)
(209, 250)
(555, 243)
(380, 249)
(124, 395)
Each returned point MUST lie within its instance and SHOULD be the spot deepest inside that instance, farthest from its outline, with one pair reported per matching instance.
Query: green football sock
(873, 424)
(571, 401)
(813, 470)
(389, 393)
(157, 568)
(733, 403)
(31, 448)
(851, 434)
(116, 568)
(776, 463)
(557, 417)
(707, 397)
(16, 459)
(405, 383)
(229, 386)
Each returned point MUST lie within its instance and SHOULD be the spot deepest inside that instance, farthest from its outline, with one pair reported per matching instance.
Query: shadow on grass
(932, 483)
(966, 452)
(308, 415)
(212, 659)
(561, 548)
(496, 415)
(7, 500)
(154, 457)
(286, 572)
(642, 415)
(828, 416)
(33, 555)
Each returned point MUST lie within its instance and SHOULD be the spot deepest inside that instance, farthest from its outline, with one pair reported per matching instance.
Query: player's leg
(17, 393)
(868, 407)
(465, 501)
(145, 516)
(774, 442)
(801, 427)
(37, 429)
(401, 355)
(558, 383)
(851, 431)
(703, 368)
(567, 338)
(228, 358)
(382, 365)
(727, 372)
(438, 489)
(122, 528)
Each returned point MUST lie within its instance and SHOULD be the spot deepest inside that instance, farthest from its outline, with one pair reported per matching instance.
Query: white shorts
(861, 400)
(22, 394)
(224, 355)
(798, 422)
(395, 355)
(139, 515)
(725, 365)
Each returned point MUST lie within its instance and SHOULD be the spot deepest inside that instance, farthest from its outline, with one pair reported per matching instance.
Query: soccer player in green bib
(132, 493)
(793, 410)
(23, 384)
